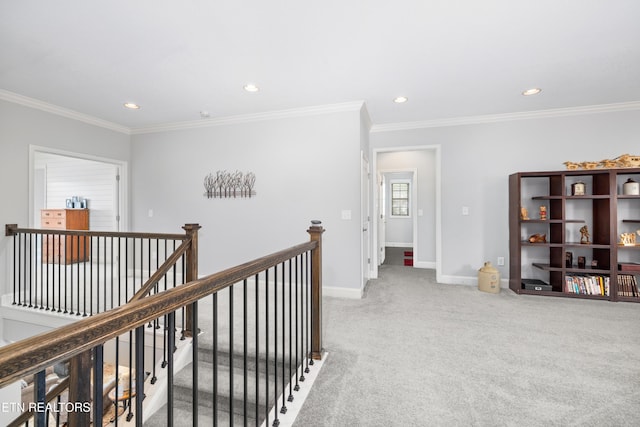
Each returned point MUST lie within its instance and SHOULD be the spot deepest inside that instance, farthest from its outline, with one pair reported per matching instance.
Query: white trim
(467, 281)
(61, 111)
(247, 118)
(351, 293)
(121, 164)
(424, 264)
(398, 244)
(496, 118)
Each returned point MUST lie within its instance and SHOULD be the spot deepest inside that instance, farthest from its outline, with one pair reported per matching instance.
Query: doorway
(56, 176)
(424, 164)
(397, 218)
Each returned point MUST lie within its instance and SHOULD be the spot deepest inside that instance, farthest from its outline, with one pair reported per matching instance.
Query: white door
(366, 246)
(382, 218)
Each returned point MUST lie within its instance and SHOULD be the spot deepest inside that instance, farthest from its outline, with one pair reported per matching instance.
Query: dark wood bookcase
(606, 212)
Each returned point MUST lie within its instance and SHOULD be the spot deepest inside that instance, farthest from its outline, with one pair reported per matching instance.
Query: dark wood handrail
(34, 354)
(161, 271)
(13, 229)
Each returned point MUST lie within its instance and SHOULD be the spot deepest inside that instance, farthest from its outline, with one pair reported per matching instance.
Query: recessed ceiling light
(204, 114)
(250, 87)
(532, 91)
(401, 99)
(131, 106)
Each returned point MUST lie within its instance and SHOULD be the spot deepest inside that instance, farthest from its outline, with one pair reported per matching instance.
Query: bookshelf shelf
(602, 269)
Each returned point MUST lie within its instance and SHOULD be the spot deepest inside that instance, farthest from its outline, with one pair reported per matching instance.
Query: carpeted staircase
(183, 392)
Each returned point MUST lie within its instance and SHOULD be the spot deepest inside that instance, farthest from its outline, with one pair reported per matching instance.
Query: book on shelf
(629, 266)
(628, 286)
(585, 284)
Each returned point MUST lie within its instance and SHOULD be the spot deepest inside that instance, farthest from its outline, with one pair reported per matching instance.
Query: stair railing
(83, 273)
(83, 342)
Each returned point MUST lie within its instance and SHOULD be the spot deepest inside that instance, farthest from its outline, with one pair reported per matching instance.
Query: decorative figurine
(543, 212)
(538, 238)
(524, 215)
(582, 262)
(568, 259)
(622, 161)
(577, 189)
(628, 239)
(584, 235)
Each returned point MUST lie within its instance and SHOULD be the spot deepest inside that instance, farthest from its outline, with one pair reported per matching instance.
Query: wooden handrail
(34, 354)
(13, 229)
(161, 271)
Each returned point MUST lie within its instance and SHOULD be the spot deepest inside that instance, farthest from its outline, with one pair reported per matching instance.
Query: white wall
(306, 168)
(21, 127)
(477, 160)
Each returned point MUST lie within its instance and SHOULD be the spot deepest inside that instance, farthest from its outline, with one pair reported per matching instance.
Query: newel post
(316, 231)
(191, 271)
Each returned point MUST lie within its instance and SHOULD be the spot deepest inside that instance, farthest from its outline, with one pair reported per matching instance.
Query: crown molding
(497, 118)
(248, 118)
(60, 111)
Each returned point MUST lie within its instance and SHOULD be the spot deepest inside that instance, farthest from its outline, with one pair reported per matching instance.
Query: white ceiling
(452, 58)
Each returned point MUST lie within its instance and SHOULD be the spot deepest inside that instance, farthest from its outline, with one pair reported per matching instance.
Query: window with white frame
(400, 198)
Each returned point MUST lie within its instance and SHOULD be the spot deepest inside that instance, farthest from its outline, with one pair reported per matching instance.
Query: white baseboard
(424, 264)
(351, 293)
(398, 244)
(468, 281)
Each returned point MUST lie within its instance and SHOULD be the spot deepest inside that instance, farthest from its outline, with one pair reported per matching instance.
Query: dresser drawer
(53, 223)
(53, 213)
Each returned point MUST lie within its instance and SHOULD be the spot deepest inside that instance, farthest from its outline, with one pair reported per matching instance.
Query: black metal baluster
(139, 377)
(84, 275)
(266, 373)
(231, 397)
(104, 275)
(171, 343)
(117, 374)
(98, 365)
(97, 297)
(40, 391)
(244, 350)
(42, 285)
(77, 252)
(33, 287)
(60, 282)
(298, 267)
(194, 355)
(283, 409)
(83, 294)
(257, 329)
(308, 302)
(215, 359)
(303, 317)
(112, 281)
(290, 398)
(16, 271)
(276, 422)
(131, 362)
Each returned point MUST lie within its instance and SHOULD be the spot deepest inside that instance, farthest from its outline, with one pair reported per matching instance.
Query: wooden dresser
(65, 249)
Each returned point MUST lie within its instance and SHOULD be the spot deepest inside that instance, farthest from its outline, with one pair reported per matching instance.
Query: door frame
(123, 170)
(437, 175)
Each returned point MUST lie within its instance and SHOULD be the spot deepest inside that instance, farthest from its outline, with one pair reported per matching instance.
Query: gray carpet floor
(416, 353)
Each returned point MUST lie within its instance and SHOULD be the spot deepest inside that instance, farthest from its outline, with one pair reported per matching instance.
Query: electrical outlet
(500, 260)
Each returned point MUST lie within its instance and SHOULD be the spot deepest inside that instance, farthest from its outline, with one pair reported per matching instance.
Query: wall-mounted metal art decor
(229, 184)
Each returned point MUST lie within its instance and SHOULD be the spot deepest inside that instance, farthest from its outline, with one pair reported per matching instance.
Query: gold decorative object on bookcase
(622, 161)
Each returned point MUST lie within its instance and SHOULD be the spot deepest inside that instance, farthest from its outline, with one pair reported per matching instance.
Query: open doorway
(421, 166)
(397, 219)
(57, 176)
